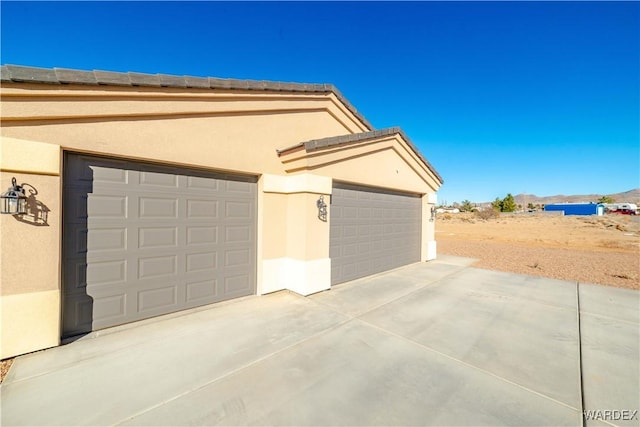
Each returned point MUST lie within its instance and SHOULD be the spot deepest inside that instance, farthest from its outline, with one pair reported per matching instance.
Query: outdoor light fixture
(322, 209)
(14, 202)
(433, 214)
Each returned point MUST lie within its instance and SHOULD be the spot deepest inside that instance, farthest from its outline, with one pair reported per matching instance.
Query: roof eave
(59, 76)
(341, 140)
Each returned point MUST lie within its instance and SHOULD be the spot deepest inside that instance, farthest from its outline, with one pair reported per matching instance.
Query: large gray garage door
(372, 231)
(143, 240)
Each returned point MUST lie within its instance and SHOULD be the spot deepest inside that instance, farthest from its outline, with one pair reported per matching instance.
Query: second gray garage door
(143, 240)
(372, 230)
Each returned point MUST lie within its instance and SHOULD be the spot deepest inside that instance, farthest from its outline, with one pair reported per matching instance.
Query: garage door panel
(109, 307)
(238, 257)
(110, 176)
(106, 272)
(195, 183)
(349, 212)
(157, 266)
(156, 179)
(377, 230)
(107, 239)
(164, 299)
(157, 237)
(238, 210)
(204, 290)
(363, 268)
(364, 213)
(349, 250)
(239, 187)
(78, 315)
(202, 261)
(106, 206)
(237, 234)
(202, 235)
(157, 207)
(349, 231)
(364, 249)
(364, 230)
(372, 230)
(76, 233)
(76, 273)
(154, 240)
(207, 209)
(237, 285)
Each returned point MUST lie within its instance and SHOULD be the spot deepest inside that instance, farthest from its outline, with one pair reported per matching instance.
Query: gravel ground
(604, 268)
(4, 368)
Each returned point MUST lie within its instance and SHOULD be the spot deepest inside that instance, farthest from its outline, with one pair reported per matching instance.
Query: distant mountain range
(631, 196)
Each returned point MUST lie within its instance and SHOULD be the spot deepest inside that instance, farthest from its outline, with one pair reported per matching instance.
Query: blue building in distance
(577, 208)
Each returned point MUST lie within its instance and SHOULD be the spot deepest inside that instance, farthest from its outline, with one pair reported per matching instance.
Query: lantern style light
(14, 202)
(322, 209)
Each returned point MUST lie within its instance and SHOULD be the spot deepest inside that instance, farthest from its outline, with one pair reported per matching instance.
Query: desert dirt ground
(603, 250)
(4, 368)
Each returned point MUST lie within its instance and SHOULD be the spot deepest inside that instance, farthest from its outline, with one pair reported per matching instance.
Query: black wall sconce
(322, 209)
(14, 201)
(433, 214)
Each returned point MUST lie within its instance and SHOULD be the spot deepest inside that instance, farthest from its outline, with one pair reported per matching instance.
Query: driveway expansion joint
(359, 314)
(468, 365)
(236, 370)
(583, 419)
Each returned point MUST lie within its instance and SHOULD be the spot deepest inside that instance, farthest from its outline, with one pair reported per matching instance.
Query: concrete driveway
(439, 343)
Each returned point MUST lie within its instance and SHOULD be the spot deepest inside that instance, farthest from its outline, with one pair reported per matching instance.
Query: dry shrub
(612, 244)
(609, 244)
(621, 227)
(622, 276)
(590, 222)
(488, 213)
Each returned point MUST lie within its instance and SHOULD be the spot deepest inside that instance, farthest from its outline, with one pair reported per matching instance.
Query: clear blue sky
(536, 97)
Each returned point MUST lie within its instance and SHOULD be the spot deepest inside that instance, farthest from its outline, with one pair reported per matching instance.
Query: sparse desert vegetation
(589, 249)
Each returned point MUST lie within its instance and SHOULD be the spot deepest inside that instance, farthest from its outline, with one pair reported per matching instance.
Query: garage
(131, 196)
(372, 230)
(141, 240)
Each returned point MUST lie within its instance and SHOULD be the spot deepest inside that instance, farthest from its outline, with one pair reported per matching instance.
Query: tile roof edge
(28, 74)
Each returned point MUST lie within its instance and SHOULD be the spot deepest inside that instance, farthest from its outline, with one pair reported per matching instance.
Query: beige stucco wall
(296, 242)
(275, 217)
(30, 249)
(29, 322)
(42, 102)
(227, 131)
(428, 252)
(386, 162)
(29, 245)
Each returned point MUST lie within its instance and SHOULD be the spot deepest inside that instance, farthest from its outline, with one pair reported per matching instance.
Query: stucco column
(294, 241)
(429, 201)
(30, 249)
